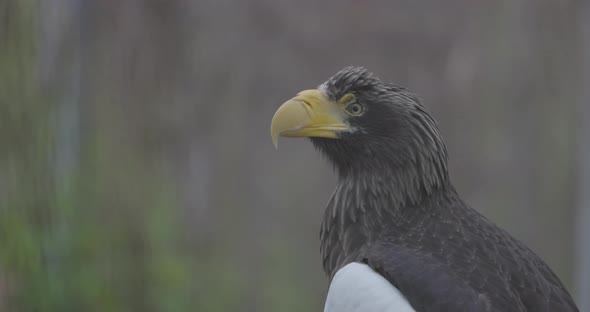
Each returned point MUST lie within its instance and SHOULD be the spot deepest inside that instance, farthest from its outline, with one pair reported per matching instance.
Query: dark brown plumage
(395, 209)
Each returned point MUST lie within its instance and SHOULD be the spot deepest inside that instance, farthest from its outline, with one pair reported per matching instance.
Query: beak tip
(275, 141)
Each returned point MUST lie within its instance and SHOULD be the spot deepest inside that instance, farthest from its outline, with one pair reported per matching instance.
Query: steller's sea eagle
(396, 236)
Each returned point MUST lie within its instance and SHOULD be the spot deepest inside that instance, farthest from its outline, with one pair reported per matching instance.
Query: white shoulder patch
(356, 287)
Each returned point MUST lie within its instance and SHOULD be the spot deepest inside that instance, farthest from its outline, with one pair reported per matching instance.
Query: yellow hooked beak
(309, 114)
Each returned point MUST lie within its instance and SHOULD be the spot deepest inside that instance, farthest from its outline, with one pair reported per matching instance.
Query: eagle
(395, 235)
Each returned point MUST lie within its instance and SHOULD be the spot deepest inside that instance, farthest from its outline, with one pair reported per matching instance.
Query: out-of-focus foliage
(136, 169)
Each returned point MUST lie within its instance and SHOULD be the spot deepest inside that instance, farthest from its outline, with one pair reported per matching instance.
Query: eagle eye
(355, 109)
(351, 106)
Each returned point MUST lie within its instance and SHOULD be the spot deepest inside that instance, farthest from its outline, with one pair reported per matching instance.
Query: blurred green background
(137, 171)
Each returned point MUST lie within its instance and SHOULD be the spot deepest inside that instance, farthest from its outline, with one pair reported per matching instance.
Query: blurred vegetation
(76, 242)
(25, 139)
(136, 171)
(85, 224)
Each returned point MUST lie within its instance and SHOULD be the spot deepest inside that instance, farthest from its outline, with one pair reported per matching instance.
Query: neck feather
(384, 198)
(385, 184)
